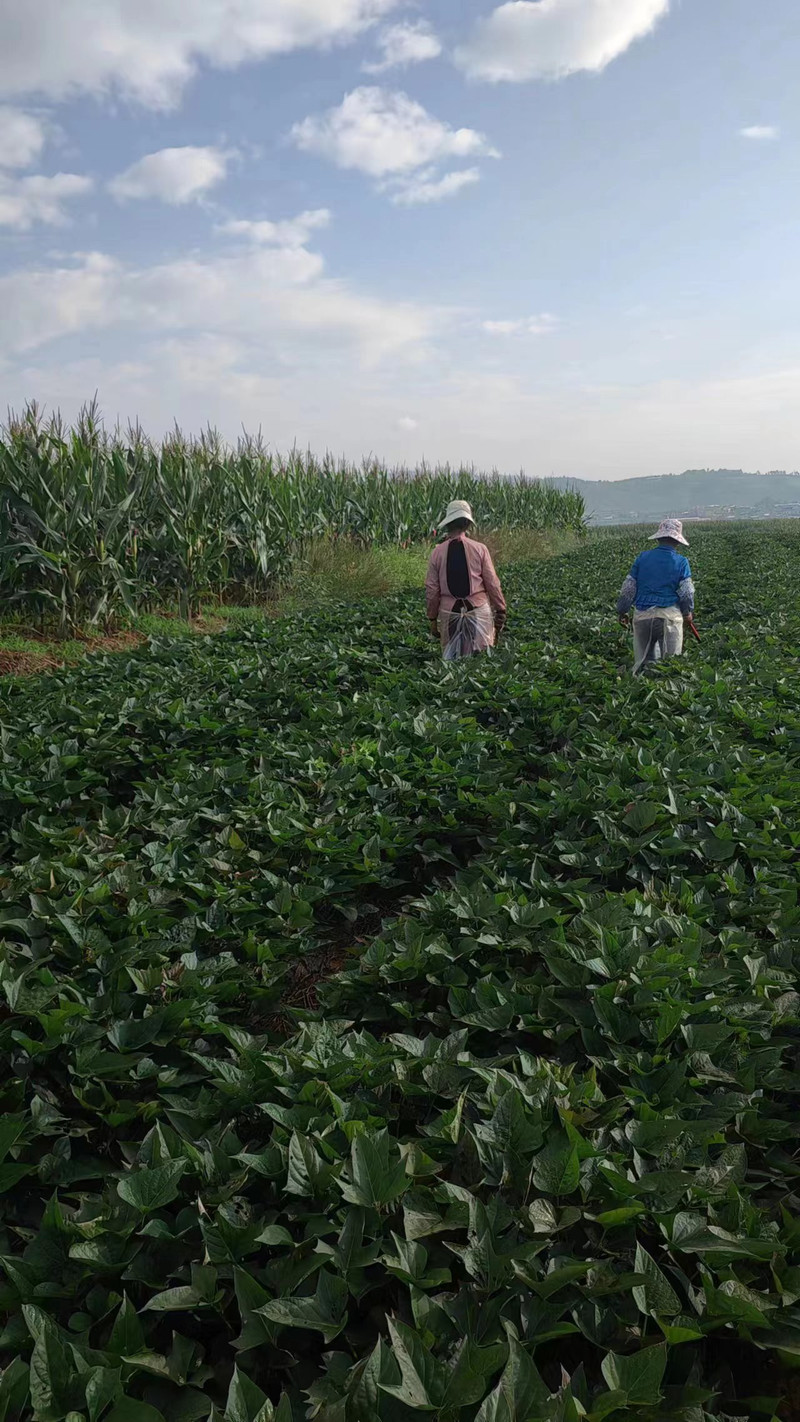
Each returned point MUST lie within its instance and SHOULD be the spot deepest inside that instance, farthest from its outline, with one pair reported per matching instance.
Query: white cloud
(26, 201)
(292, 233)
(381, 133)
(408, 423)
(531, 326)
(394, 139)
(764, 133)
(550, 39)
(22, 137)
(149, 49)
(425, 187)
(405, 44)
(278, 301)
(173, 175)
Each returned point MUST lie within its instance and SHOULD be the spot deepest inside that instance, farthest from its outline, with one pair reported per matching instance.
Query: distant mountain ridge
(697, 493)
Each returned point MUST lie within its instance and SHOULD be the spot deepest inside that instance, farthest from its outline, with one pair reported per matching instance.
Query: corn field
(93, 524)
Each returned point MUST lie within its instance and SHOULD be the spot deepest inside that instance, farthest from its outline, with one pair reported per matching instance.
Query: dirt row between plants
(25, 662)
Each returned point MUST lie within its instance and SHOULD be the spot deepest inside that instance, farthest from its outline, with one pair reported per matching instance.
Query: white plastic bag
(466, 633)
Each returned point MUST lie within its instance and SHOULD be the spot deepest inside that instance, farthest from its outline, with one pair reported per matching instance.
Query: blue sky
(551, 234)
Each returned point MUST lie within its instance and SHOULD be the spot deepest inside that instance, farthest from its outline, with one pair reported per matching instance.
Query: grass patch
(525, 545)
(343, 569)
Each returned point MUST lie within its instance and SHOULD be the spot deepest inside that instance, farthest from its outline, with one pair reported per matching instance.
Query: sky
(550, 235)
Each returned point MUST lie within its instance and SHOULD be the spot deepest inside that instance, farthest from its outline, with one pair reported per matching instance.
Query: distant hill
(699, 493)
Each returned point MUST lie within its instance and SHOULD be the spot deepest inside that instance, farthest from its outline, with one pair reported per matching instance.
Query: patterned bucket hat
(670, 528)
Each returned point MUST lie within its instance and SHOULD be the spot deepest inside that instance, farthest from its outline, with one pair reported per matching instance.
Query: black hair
(458, 582)
(458, 525)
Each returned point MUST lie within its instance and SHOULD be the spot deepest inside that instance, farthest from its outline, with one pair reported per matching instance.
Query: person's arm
(433, 593)
(494, 591)
(491, 584)
(686, 592)
(628, 592)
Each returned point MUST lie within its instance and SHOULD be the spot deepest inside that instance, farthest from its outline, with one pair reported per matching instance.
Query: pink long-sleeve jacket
(483, 580)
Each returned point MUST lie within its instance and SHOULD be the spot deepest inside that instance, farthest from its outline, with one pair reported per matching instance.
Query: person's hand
(625, 620)
(434, 628)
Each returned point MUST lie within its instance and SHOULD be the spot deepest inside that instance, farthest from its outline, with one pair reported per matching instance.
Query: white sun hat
(670, 528)
(458, 509)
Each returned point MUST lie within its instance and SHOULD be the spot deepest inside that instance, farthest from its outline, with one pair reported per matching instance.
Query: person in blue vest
(660, 592)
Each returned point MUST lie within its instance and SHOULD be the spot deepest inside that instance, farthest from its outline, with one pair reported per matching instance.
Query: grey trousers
(657, 634)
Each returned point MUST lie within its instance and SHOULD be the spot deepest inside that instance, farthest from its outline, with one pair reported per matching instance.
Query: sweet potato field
(381, 1041)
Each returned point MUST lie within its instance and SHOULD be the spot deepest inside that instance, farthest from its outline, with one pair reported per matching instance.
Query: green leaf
(466, 1378)
(11, 1128)
(637, 1375)
(656, 1295)
(246, 1402)
(512, 1130)
(325, 1312)
(149, 1190)
(129, 1409)
(641, 817)
(103, 1387)
(182, 1298)
(14, 1390)
(546, 1218)
(127, 1335)
(422, 1380)
(521, 1395)
(410, 1264)
(377, 1175)
(11, 1174)
(680, 1330)
(250, 1298)
(308, 1174)
(379, 1373)
(50, 1373)
(557, 1167)
(276, 1236)
(612, 1219)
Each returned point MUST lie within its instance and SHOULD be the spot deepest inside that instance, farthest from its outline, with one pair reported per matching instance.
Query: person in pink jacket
(466, 607)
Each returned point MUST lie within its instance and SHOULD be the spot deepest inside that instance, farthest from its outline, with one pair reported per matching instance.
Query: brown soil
(116, 642)
(208, 624)
(28, 663)
(301, 988)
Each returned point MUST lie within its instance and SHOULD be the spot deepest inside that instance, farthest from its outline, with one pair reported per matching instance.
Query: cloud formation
(172, 175)
(392, 138)
(275, 300)
(761, 133)
(405, 44)
(551, 39)
(541, 325)
(149, 51)
(26, 201)
(424, 187)
(36, 198)
(22, 137)
(294, 232)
